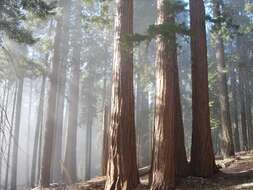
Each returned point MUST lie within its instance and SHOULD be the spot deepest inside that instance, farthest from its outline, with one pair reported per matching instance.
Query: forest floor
(235, 174)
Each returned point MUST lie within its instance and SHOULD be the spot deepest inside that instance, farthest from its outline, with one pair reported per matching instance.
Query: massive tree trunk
(227, 145)
(70, 175)
(51, 108)
(234, 89)
(202, 155)
(122, 172)
(35, 163)
(10, 140)
(164, 160)
(14, 165)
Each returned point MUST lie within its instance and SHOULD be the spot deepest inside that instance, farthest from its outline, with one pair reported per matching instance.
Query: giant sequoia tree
(202, 155)
(163, 161)
(122, 172)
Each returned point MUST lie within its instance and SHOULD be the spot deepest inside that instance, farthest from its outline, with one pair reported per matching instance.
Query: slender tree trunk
(70, 152)
(164, 156)
(28, 135)
(105, 141)
(37, 181)
(60, 102)
(14, 165)
(51, 108)
(234, 89)
(182, 166)
(243, 109)
(248, 108)
(10, 140)
(122, 172)
(105, 127)
(227, 145)
(88, 147)
(2, 130)
(202, 155)
(37, 132)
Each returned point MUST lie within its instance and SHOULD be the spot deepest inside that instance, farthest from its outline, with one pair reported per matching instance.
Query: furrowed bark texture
(202, 155)
(122, 172)
(163, 161)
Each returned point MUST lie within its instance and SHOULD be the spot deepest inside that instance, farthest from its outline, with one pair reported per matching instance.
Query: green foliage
(165, 30)
(13, 14)
(174, 6)
(39, 8)
(97, 13)
(224, 26)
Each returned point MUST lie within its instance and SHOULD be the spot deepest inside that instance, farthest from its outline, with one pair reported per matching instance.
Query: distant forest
(148, 94)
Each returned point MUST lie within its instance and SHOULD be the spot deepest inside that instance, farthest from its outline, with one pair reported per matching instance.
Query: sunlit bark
(164, 156)
(122, 170)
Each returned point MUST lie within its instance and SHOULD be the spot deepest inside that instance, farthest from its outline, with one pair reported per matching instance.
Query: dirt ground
(235, 174)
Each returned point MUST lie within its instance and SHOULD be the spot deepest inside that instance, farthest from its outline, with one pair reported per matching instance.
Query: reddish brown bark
(122, 172)
(163, 161)
(202, 155)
